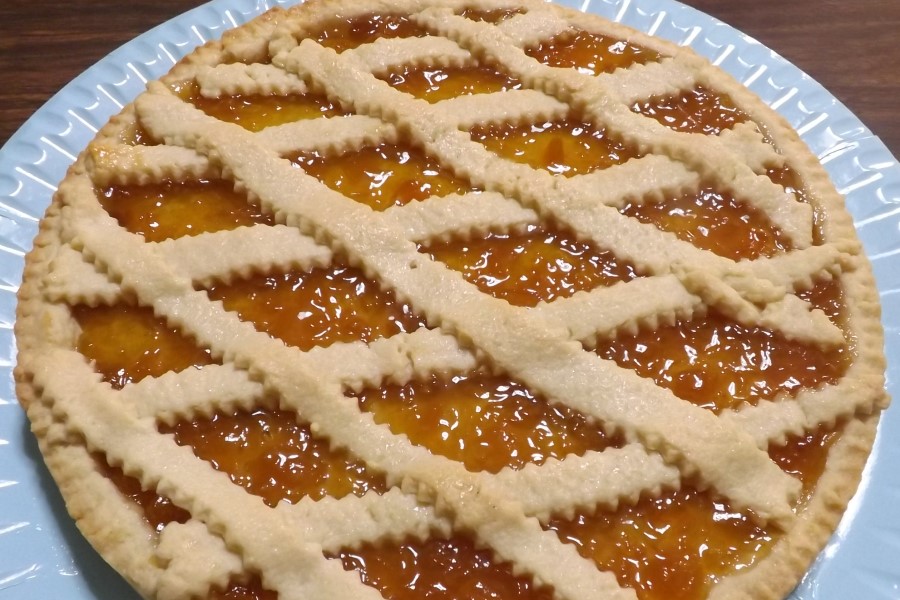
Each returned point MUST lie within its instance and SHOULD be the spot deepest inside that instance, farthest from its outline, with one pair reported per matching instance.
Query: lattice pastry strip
(92, 260)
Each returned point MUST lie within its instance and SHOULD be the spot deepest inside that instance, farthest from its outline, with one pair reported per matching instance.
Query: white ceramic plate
(42, 555)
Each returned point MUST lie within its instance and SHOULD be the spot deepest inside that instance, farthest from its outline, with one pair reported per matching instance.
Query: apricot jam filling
(561, 147)
(250, 590)
(344, 34)
(790, 180)
(128, 343)
(255, 112)
(171, 210)
(382, 176)
(669, 548)
(713, 221)
(494, 16)
(135, 135)
(695, 111)
(318, 307)
(719, 364)
(438, 568)
(590, 53)
(804, 457)
(828, 297)
(537, 265)
(485, 422)
(440, 83)
(274, 457)
(157, 510)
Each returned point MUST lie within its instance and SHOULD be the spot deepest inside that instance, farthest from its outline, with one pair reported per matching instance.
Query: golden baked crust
(83, 256)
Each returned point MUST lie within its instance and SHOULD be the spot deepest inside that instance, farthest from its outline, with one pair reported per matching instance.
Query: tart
(450, 299)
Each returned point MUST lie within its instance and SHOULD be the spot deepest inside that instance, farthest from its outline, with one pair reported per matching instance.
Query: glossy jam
(715, 222)
(536, 266)
(719, 364)
(251, 590)
(258, 111)
(561, 147)
(343, 34)
(127, 343)
(317, 308)
(273, 456)
(485, 422)
(669, 548)
(382, 176)
(437, 569)
(440, 83)
(804, 457)
(135, 135)
(696, 111)
(828, 297)
(491, 16)
(590, 53)
(790, 180)
(172, 210)
(158, 511)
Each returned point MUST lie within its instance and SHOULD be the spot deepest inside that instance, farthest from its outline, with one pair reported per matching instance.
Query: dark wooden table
(849, 46)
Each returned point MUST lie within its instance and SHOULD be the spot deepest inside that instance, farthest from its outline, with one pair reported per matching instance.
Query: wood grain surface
(849, 46)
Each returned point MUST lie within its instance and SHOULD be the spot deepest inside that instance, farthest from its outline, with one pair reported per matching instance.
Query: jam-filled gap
(170, 209)
(715, 221)
(438, 567)
(532, 264)
(827, 294)
(255, 111)
(435, 83)
(590, 53)
(719, 364)
(804, 456)
(317, 307)
(274, 455)
(158, 511)
(567, 146)
(126, 343)
(247, 587)
(787, 176)
(698, 110)
(134, 134)
(491, 15)
(345, 33)
(790, 179)
(487, 422)
(674, 546)
(390, 173)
